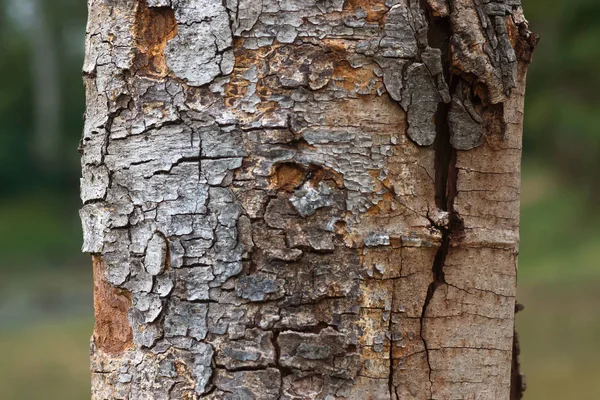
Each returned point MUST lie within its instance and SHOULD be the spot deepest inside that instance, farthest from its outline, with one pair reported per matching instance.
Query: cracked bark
(297, 199)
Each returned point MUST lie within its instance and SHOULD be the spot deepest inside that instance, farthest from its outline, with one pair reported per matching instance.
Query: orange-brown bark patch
(524, 43)
(237, 87)
(375, 9)
(155, 26)
(396, 242)
(320, 174)
(338, 46)
(362, 80)
(287, 176)
(268, 107)
(384, 206)
(512, 30)
(376, 114)
(112, 332)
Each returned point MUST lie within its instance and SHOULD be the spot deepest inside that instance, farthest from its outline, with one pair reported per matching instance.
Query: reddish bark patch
(155, 26)
(112, 332)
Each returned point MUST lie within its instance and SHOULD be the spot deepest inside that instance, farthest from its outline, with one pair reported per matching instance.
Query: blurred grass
(45, 351)
(558, 284)
(559, 332)
(45, 300)
(46, 361)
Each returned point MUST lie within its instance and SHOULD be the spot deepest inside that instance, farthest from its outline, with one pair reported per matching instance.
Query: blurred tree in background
(45, 296)
(41, 96)
(41, 108)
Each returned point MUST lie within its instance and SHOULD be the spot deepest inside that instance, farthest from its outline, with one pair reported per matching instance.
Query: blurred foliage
(39, 229)
(44, 337)
(562, 125)
(562, 122)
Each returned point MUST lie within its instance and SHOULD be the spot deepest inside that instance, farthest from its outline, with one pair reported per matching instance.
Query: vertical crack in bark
(438, 280)
(446, 175)
(276, 359)
(439, 32)
(443, 156)
(283, 371)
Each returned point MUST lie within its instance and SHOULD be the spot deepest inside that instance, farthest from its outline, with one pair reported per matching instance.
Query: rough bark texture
(303, 199)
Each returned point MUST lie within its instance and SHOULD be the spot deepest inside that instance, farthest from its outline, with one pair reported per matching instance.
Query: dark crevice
(438, 36)
(313, 329)
(438, 280)
(443, 156)
(316, 329)
(391, 386)
(199, 157)
(197, 301)
(283, 371)
(245, 368)
(446, 175)
(439, 33)
(439, 30)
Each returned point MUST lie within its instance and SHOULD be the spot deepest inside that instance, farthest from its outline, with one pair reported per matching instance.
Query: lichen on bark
(299, 199)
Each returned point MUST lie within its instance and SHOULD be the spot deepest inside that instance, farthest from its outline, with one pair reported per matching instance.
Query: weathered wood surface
(303, 199)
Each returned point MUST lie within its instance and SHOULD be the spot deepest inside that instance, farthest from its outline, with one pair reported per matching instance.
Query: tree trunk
(303, 199)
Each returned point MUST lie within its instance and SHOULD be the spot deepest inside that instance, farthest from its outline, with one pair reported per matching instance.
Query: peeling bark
(303, 199)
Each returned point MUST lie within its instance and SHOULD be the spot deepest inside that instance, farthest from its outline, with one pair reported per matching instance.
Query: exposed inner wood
(112, 333)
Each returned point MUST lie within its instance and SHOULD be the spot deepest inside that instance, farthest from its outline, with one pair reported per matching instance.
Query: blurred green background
(45, 293)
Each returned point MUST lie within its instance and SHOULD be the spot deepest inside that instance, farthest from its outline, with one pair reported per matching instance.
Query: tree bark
(303, 199)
